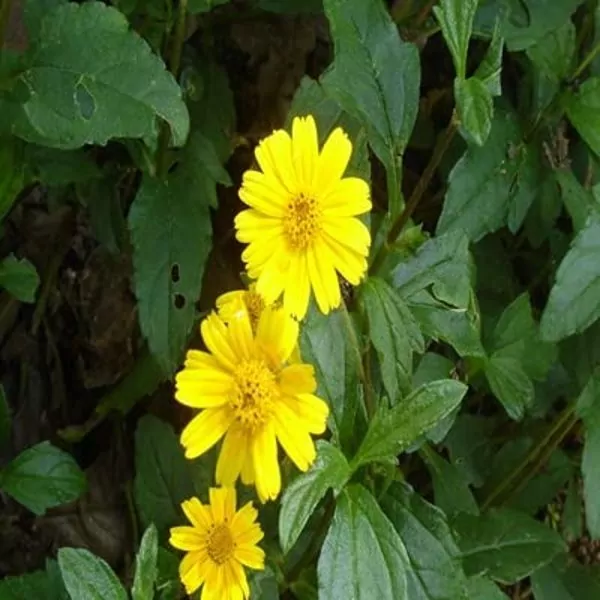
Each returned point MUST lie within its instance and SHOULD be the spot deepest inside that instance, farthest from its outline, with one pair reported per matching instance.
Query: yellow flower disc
(301, 227)
(253, 394)
(218, 545)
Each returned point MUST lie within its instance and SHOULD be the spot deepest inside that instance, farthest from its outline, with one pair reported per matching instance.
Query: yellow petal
(241, 337)
(311, 409)
(297, 287)
(274, 155)
(214, 334)
(197, 513)
(348, 198)
(198, 359)
(186, 538)
(250, 556)
(349, 231)
(277, 334)
(323, 278)
(295, 441)
(298, 379)
(222, 503)
(248, 470)
(234, 453)
(243, 521)
(332, 161)
(264, 193)
(266, 467)
(205, 430)
(202, 389)
(351, 265)
(190, 571)
(251, 225)
(305, 150)
(238, 576)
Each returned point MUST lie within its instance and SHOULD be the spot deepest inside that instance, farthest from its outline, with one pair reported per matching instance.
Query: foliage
(462, 451)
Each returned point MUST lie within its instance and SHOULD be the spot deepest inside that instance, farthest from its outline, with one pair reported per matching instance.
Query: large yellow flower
(252, 395)
(219, 544)
(301, 226)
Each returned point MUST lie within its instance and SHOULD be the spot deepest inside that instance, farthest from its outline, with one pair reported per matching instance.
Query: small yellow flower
(232, 303)
(301, 226)
(218, 545)
(252, 395)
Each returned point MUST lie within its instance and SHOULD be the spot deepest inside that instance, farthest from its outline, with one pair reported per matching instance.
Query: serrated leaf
(162, 476)
(90, 78)
(509, 383)
(588, 410)
(490, 69)
(553, 54)
(329, 471)
(436, 571)
(19, 278)
(325, 342)
(504, 544)
(583, 110)
(5, 419)
(88, 577)
(393, 430)
(451, 490)
(564, 579)
(444, 263)
(394, 333)
(42, 477)
(375, 75)
(146, 570)
(482, 588)
(12, 172)
(171, 233)
(456, 21)
(310, 98)
(573, 302)
(475, 109)
(362, 555)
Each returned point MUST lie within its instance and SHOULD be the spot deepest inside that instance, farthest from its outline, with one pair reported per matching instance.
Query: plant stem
(393, 189)
(583, 65)
(535, 460)
(174, 63)
(417, 194)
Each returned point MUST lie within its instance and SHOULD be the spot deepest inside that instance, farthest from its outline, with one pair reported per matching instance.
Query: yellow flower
(219, 544)
(232, 303)
(301, 226)
(253, 396)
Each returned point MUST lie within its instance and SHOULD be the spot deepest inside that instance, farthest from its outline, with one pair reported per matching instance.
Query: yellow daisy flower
(252, 395)
(301, 226)
(230, 304)
(219, 544)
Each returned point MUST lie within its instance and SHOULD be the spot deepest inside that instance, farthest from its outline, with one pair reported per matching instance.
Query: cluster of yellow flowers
(251, 385)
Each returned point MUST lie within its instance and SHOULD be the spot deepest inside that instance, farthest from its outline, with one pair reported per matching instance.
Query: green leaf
(459, 327)
(329, 471)
(573, 302)
(393, 430)
(490, 69)
(90, 78)
(19, 278)
(146, 570)
(326, 343)
(375, 75)
(263, 585)
(564, 579)
(451, 490)
(505, 544)
(501, 171)
(444, 263)
(509, 383)
(310, 98)
(456, 21)
(12, 172)
(162, 475)
(435, 571)
(482, 588)
(583, 110)
(291, 6)
(202, 6)
(167, 581)
(35, 585)
(553, 54)
(5, 420)
(42, 477)
(34, 12)
(588, 410)
(394, 333)
(475, 109)
(172, 236)
(363, 555)
(55, 167)
(88, 577)
(578, 201)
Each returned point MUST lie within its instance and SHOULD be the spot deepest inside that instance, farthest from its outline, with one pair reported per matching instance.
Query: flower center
(302, 221)
(253, 393)
(254, 305)
(220, 544)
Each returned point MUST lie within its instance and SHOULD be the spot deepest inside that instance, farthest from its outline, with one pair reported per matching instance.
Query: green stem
(417, 194)
(535, 460)
(393, 189)
(174, 63)
(583, 65)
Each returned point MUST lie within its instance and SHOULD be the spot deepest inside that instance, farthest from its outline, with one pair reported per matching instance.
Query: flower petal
(202, 388)
(323, 278)
(190, 571)
(250, 556)
(215, 336)
(241, 336)
(266, 467)
(186, 538)
(332, 161)
(351, 265)
(298, 379)
(274, 155)
(310, 409)
(295, 441)
(277, 334)
(264, 193)
(297, 287)
(222, 503)
(197, 513)
(251, 225)
(348, 198)
(233, 455)
(349, 231)
(305, 150)
(205, 430)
